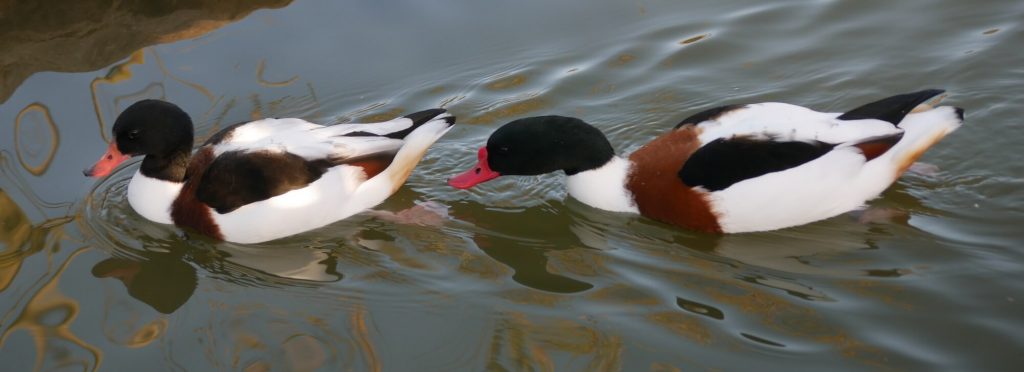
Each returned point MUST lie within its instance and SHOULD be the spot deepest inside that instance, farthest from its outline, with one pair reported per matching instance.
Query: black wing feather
(418, 118)
(724, 162)
(892, 109)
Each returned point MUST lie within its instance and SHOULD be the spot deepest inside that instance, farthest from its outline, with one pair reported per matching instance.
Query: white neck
(152, 198)
(604, 187)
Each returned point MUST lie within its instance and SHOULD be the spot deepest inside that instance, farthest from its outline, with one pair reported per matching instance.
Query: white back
(786, 122)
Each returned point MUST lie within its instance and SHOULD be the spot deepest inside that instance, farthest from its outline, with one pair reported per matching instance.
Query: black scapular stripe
(724, 162)
(892, 109)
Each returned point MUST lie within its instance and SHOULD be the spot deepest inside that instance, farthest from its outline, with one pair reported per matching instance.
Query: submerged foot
(924, 169)
(427, 213)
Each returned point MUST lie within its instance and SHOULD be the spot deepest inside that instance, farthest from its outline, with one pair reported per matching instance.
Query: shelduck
(266, 179)
(729, 169)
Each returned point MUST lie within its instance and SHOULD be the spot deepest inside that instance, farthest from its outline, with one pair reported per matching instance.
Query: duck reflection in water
(163, 274)
(162, 281)
(532, 242)
(166, 280)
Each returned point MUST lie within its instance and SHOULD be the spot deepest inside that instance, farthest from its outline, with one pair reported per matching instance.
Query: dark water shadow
(528, 236)
(161, 280)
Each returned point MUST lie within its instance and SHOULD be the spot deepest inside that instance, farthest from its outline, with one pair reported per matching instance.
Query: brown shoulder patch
(373, 165)
(187, 210)
(874, 148)
(657, 189)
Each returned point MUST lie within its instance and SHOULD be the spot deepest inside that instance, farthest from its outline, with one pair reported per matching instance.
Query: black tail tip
(959, 113)
(424, 116)
(450, 120)
(891, 109)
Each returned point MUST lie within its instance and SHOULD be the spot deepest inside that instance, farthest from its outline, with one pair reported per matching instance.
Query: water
(516, 276)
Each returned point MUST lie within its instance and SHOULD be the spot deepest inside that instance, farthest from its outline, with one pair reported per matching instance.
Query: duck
(734, 168)
(263, 180)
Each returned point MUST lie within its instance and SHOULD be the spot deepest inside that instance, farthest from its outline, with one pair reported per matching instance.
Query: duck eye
(133, 134)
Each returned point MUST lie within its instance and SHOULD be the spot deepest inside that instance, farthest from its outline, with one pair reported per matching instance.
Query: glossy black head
(545, 144)
(159, 130)
(153, 127)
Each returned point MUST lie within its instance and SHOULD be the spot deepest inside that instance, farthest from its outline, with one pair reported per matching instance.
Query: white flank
(152, 198)
(341, 192)
(604, 187)
(833, 184)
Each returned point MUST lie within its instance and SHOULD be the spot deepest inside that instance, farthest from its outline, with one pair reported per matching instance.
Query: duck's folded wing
(786, 122)
(266, 158)
(726, 161)
(313, 141)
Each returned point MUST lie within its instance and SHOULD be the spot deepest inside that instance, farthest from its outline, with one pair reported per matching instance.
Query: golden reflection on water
(530, 344)
(258, 337)
(264, 82)
(362, 337)
(20, 239)
(15, 231)
(39, 307)
(383, 116)
(196, 86)
(38, 317)
(507, 82)
(30, 150)
(509, 110)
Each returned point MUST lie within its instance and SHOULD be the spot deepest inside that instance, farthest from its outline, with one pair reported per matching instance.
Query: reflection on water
(54, 35)
(163, 281)
(528, 244)
(511, 275)
(27, 143)
(38, 307)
